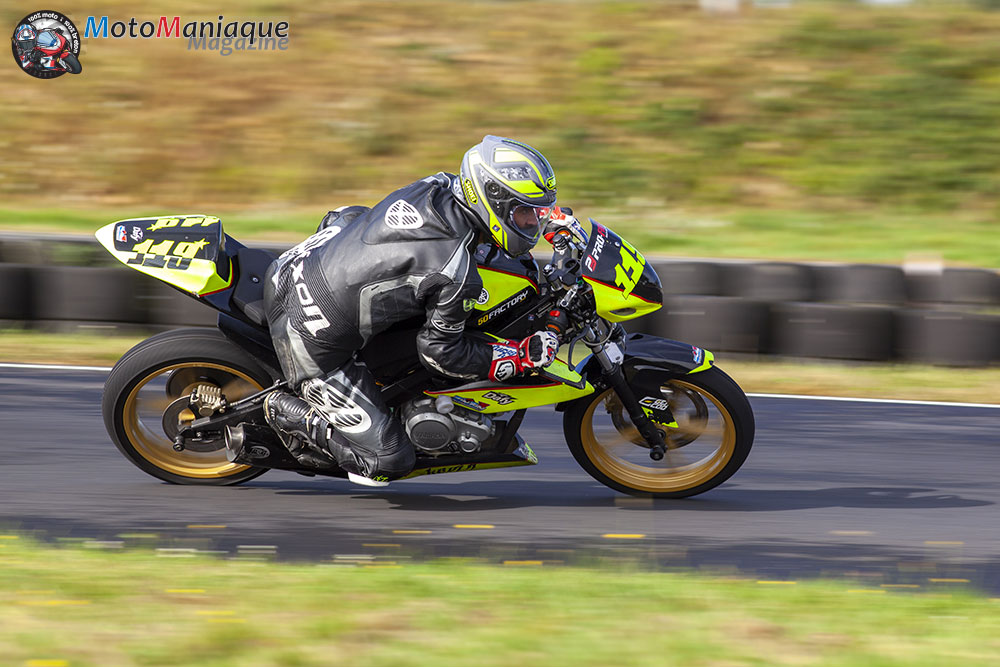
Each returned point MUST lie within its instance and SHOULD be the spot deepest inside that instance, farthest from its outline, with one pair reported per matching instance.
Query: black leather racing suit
(410, 255)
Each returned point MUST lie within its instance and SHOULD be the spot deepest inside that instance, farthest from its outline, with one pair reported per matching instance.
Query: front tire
(141, 403)
(713, 438)
(73, 65)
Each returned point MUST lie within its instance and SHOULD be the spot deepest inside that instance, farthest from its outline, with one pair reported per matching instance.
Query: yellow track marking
(944, 543)
(206, 526)
(474, 526)
(948, 581)
(523, 562)
(623, 536)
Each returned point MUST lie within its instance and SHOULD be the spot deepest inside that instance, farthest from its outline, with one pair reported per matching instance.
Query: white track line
(898, 401)
(56, 367)
(803, 397)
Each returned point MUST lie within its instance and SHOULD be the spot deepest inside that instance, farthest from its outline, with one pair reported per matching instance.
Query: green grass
(825, 130)
(93, 608)
(906, 381)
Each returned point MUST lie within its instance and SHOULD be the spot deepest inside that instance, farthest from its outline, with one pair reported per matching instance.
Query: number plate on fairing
(187, 251)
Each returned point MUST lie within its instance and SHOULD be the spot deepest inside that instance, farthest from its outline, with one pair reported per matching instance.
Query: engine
(438, 426)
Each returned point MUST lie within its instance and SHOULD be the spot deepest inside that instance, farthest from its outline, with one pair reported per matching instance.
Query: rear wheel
(145, 403)
(714, 433)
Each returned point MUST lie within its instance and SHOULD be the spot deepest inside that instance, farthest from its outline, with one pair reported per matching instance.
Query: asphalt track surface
(882, 493)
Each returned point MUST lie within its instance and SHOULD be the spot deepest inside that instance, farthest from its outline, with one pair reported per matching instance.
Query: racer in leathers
(26, 38)
(366, 269)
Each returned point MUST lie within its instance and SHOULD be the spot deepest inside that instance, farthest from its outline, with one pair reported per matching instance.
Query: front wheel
(714, 433)
(145, 403)
(73, 65)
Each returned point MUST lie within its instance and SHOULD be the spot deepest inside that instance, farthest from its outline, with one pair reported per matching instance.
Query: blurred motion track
(890, 493)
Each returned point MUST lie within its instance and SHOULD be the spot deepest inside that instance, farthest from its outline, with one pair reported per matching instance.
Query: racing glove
(512, 358)
(561, 220)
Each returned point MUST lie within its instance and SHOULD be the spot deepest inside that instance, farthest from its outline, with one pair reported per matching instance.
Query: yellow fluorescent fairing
(182, 250)
(614, 305)
(505, 397)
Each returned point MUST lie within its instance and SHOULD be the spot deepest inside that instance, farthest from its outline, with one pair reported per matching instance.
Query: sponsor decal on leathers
(402, 215)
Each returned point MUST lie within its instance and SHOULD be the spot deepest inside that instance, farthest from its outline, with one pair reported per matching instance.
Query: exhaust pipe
(235, 438)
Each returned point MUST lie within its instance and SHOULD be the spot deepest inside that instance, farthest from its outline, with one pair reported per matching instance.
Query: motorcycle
(641, 414)
(55, 54)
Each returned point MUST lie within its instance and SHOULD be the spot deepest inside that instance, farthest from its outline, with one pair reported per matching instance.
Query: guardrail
(864, 312)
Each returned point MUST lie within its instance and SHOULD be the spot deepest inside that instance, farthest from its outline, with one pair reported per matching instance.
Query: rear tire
(707, 406)
(138, 391)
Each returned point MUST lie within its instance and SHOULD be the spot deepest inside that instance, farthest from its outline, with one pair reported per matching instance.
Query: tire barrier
(15, 292)
(85, 294)
(832, 331)
(832, 311)
(966, 287)
(971, 286)
(724, 323)
(947, 337)
(166, 306)
(689, 278)
(770, 281)
(861, 283)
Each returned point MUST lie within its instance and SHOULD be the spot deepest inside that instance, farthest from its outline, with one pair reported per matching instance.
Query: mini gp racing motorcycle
(641, 414)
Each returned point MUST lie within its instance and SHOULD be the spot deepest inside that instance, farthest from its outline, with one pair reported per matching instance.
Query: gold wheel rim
(663, 476)
(152, 444)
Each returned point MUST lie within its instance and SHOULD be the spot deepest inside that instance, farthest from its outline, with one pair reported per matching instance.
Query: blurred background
(800, 130)
(786, 135)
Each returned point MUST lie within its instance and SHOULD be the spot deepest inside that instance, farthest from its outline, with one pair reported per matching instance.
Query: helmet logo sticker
(470, 192)
(402, 215)
(550, 182)
(484, 296)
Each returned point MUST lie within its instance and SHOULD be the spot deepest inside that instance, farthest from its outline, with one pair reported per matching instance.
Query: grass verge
(72, 606)
(906, 381)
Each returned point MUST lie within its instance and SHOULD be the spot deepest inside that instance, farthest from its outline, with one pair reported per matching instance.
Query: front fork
(610, 357)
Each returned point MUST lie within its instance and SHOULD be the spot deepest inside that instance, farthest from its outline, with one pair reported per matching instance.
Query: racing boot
(312, 441)
(300, 428)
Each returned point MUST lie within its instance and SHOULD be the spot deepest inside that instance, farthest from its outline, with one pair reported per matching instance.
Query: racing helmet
(26, 36)
(511, 188)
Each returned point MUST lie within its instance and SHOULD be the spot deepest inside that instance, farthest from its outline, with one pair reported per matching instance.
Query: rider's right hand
(512, 358)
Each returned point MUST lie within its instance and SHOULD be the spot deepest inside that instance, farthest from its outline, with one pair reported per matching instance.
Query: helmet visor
(527, 221)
